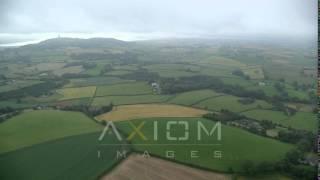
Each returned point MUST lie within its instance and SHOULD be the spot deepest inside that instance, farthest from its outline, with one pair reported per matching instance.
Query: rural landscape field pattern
(57, 97)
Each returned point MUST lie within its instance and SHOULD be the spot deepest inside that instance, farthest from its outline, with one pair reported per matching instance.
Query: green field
(117, 72)
(68, 70)
(94, 81)
(231, 103)
(74, 93)
(34, 127)
(17, 84)
(236, 145)
(137, 88)
(15, 104)
(131, 67)
(67, 158)
(139, 99)
(42, 99)
(222, 61)
(254, 72)
(218, 71)
(192, 97)
(96, 70)
(46, 66)
(301, 120)
(173, 70)
(237, 81)
(268, 89)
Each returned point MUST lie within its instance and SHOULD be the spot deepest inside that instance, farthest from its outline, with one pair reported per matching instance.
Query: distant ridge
(57, 43)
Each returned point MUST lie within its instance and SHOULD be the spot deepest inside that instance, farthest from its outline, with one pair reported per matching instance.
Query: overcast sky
(161, 17)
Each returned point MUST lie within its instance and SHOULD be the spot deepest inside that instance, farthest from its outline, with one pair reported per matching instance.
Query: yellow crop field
(127, 112)
(74, 93)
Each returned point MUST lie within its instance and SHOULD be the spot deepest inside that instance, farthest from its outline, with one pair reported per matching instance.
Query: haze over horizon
(142, 19)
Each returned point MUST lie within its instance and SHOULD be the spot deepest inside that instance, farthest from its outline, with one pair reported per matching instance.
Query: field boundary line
(93, 96)
(205, 99)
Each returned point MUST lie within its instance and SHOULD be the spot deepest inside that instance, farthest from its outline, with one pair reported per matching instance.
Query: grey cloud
(235, 17)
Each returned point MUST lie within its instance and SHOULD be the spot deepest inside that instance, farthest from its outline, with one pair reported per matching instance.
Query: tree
(265, 167)
(294, 156)
(304, 145)
(249, 168)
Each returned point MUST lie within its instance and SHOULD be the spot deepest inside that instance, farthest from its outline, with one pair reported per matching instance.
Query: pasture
(301, 120)
(173, 70)
(117, 72)
(192, 97)
(72, 157)
(222, 61)
(16, 84)
(46, 66)
(34, 127)
(236, 145)
(136, 88)
(138, 111)
(95, 81)
(96, 70)
(68, 70)
(231, 103)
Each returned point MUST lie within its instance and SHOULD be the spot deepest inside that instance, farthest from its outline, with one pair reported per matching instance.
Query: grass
(136, 88)
(231, 103)
(192, 97)
(15, 104)
(138, 111)
(118, 72)
(42, 99)
(34, 127)
(173, 70)
(94, 81)
(131, 67)
(237, 81)
(254, 72)
(222, 61)
(46, 66)
(74, 93)
(237, 146)
(269, 90)
(68, 158)
(96, 70)
(121, 100)
(68, 70)
(299, 94)
(17, 84)
(301, 120)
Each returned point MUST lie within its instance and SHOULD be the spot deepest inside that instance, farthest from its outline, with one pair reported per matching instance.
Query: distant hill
(58, 43)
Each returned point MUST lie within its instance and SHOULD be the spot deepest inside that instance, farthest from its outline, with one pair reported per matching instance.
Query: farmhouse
(155, 87)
